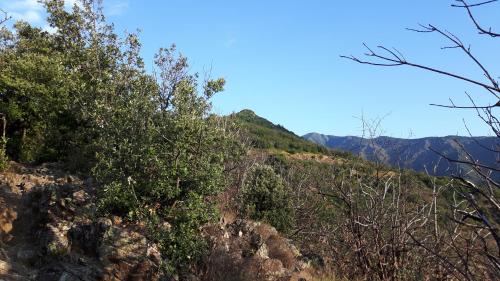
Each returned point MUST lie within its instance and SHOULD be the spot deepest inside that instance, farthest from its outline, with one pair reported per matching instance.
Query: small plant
(264, 196)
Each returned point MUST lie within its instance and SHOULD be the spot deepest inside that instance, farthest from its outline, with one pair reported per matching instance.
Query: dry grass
(278, 249)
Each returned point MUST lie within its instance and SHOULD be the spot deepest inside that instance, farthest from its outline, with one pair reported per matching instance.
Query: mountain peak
(265, 134)
(246, 112)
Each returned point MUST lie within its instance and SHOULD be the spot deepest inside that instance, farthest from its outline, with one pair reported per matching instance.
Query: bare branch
(471, 16)
(397, 59)
(5, 17)
(463, 162)
(466, 107)
(394, 61)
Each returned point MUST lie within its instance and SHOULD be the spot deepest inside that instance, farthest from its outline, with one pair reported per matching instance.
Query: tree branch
(471, 16)
(5, 18)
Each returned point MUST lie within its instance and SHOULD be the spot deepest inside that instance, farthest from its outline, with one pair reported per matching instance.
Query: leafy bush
(161, 154)
(150, 140)
(264, 196)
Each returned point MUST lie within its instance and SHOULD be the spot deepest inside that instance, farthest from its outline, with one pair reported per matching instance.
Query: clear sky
(281, 58)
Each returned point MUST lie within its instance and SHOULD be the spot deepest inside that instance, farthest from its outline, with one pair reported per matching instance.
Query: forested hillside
(265, 134)
(110, 171)
(421, 155)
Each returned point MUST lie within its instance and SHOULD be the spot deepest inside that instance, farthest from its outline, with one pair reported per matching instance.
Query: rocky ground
(49, 231)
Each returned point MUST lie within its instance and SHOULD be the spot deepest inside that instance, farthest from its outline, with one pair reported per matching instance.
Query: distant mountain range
(400, 153)
(415, 153)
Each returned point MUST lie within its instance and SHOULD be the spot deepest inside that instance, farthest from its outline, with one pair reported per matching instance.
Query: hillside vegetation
(417, 154)
(264, 134)
(109, 172)
(267, 135)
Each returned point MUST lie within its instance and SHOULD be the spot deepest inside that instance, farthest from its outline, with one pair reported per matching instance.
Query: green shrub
(161, 156)
(82, 95)
(264, 196)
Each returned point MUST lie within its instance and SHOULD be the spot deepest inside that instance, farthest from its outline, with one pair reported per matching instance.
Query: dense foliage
(266, 197)
(264, 134)
(161, 154)
(81, 95)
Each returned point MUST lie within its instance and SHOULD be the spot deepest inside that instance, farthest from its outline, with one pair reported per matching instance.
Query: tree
(151, 141)
(4, 160)
(161, 154)
(473, 240)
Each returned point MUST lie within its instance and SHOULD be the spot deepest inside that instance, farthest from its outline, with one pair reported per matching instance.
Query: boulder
(246, 250)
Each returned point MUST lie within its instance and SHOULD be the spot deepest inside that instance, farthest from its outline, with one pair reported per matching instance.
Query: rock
(255, 239)
(120, 244)
(4, 268)
(262, 252)
(61, 181)
(54, 239)
(7, 217)
(242, 251)
(80, 197)
(6, 227)
(71, 179)
(165, 226)
(154, 255)
(105, 223)
(272, 269)
(85, 238)
(116, 220)
(292, 247)
(239, 227)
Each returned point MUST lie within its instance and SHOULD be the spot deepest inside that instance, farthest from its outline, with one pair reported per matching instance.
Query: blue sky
(281, 58)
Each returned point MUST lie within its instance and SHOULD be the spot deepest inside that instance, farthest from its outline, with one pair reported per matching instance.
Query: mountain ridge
(415, 153)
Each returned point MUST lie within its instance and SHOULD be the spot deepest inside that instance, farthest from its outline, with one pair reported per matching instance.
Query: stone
(80, 197)
(71, 179)
(120, 244)
(256, 240)
(4, 267)
(105, 223)
(166, 226)
(7, 216)
(154, 255)
(273, 269)
(292, 248)
(262, 252)
(54, 239)
(116, 220)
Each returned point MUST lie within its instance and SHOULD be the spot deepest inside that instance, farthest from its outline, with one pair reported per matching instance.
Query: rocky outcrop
(246, 250)
(49, 232)
(7, 218)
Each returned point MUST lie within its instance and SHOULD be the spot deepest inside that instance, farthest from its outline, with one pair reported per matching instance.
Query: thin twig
(471, 16)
